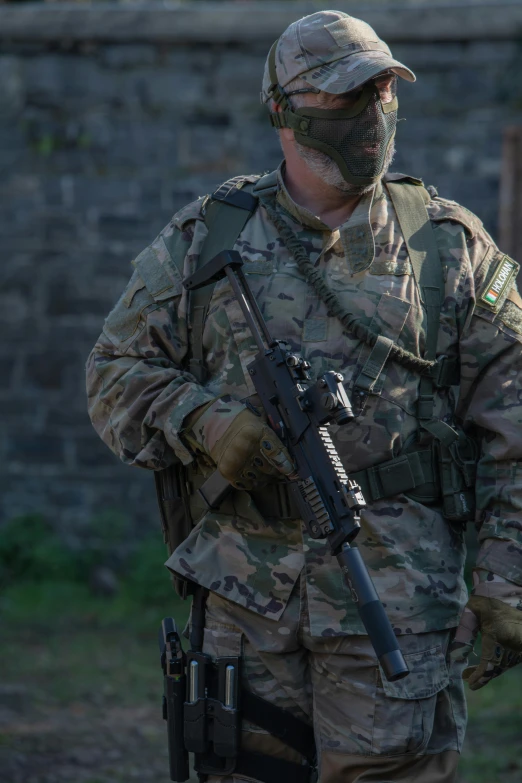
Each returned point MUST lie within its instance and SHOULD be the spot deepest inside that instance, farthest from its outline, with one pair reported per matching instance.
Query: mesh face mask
(357, 139)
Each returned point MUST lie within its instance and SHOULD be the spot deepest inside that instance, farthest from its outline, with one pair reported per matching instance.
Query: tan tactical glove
(494, 609)
(245, 450)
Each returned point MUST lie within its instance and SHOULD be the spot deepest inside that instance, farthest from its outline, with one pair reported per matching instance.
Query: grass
(81, 685)
(492, 747)
(83, 647)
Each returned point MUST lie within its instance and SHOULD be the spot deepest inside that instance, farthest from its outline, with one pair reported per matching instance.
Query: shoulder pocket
(152, 283)
(122, 322)
(161, 278)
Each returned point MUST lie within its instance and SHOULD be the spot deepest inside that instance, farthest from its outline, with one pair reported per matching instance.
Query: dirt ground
(81, 704)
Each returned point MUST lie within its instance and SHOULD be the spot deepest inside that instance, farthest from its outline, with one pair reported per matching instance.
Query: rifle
(298, 410)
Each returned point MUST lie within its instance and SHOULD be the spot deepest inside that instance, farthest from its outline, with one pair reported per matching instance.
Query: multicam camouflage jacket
(140, 393)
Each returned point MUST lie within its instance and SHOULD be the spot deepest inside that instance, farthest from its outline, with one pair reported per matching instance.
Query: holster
(173, 664)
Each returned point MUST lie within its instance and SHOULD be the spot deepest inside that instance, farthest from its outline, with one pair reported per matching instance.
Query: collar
(299, 213)
(356, 233)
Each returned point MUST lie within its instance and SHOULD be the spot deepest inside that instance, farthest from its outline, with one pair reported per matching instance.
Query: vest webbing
(228, 211)
(409, 202)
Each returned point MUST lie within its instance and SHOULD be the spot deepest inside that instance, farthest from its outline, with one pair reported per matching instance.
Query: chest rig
(440, 466)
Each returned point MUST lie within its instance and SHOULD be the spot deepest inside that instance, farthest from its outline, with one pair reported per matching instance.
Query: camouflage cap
(332, 51)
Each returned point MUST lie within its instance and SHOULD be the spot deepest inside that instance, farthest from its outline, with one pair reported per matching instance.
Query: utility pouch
(211, 716)
(425, 490)
(195, 711)
(176, 522)
(458, 471)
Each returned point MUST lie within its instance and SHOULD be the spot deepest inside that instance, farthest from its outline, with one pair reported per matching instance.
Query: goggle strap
(275, 91)
(272, 66)
(315, 90)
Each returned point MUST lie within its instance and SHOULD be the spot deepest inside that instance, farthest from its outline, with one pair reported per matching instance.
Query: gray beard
(328, 170)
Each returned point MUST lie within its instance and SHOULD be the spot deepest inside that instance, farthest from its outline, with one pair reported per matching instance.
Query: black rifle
(173, 661)
(299, 409)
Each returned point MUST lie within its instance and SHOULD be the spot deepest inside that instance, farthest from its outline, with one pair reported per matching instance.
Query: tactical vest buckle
(445, 372)
(425, 406)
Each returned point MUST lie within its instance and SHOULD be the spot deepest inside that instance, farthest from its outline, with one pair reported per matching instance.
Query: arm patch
(498, 284)
(509, 313)
(129, 311)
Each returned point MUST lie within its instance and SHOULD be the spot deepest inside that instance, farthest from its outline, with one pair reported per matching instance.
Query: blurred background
(112, 117)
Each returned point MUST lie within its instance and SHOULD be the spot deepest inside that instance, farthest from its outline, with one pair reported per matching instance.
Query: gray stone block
(21, 495)
(104, 192)
(71, 81)
(51, 369)
(92, 453)
(129, 56)
(239, 73)
(122, 227)
(71, 417)
(73, 495)
(12, 88)
(64, 300)
(43, 449)
(165, 89)
(226, 23)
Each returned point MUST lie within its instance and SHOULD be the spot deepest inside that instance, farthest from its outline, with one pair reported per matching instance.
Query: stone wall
(111, 118)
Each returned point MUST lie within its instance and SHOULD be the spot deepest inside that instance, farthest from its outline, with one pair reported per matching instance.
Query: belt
(414, 474)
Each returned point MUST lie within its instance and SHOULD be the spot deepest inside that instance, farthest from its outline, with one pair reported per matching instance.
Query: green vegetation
(492, 747)
(105, 580)
(81, 685)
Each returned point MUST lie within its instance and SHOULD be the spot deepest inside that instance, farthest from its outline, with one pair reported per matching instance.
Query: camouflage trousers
(366, 729)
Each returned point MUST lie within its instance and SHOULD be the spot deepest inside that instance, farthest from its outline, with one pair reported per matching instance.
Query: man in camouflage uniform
(276, 596)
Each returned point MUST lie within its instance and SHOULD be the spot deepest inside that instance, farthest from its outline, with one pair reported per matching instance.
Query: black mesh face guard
(357, 139)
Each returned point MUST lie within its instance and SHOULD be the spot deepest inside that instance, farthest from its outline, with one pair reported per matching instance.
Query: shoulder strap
(227, 213)
(266, 185)
(409, 201)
